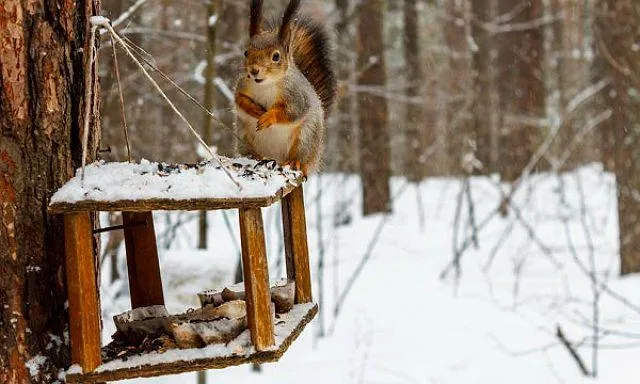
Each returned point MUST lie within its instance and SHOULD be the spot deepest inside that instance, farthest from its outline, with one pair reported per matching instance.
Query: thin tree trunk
(484, 98)
(344, 136)
(41, 100)
(229, 35)
(415, 138)
(617, 29)
(459, 100)
(375, 157)
(208, 102)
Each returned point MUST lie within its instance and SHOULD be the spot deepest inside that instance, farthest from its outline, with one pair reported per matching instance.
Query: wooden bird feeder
(269, 340)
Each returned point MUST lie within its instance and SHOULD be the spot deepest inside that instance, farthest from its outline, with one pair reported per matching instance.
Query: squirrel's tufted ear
(284, 34)
(255, 23)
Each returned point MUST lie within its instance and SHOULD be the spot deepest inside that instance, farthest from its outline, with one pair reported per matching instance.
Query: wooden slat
(170, 368)
(255, 269)
(171, 204)
(145, 282)
(295, 241)
(84, 311)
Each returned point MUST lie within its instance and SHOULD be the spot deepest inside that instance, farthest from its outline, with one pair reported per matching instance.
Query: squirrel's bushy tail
(312, 55)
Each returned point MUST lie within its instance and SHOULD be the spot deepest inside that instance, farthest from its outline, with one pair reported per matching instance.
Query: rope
(88, 96)
(120, 93)
(104, 22)
(180, 89)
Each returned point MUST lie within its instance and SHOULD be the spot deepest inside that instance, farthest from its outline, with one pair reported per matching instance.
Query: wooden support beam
(295, 244)
(84, 311)
(145, 282)
(255, 269)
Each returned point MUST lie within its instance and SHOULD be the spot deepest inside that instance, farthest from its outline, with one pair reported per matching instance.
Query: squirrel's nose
(254, 71)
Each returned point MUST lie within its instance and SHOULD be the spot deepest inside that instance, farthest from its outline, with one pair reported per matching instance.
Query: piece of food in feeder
(211, 297)
(209, 325)
(283, 294)
(137, 324)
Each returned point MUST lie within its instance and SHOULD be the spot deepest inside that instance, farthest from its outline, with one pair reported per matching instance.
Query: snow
(401, 322)
(34, 364)
(98, 21)
(149, 180)
(213, 19)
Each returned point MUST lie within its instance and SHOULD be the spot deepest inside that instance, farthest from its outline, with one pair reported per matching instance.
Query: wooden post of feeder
(255, 269)
(295, 244)
(84, 321)
(145, 282)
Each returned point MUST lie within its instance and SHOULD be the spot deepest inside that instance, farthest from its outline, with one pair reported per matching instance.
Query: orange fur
(277, 114)
(249, 106)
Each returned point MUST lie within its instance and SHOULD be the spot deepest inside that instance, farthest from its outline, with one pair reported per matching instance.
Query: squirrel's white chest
(273, 142)
(264, 94)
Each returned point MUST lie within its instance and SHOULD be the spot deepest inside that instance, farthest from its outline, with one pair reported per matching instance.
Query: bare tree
(42, 75)
(375, 157)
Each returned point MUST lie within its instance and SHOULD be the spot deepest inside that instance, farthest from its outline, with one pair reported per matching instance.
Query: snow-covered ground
(402, 321)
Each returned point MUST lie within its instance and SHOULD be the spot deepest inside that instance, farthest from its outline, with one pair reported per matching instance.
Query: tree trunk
(41, 104)
(228, 39)
(415, 138)
(617, 29)
(459, 99)
(344, 137)
(484, 84)
(208, 102)
(524, 97)
(375, 157)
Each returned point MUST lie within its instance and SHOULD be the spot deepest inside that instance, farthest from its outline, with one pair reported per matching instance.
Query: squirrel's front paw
(265, 121)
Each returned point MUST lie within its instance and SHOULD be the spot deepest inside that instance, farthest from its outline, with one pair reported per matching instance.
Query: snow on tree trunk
(41, 95)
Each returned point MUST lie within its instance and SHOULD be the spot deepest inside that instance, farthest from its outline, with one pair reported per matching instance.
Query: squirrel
(283, 98)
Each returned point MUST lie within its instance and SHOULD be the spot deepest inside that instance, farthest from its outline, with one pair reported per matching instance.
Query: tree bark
(484, 83)
(213, 8)
(617, 29)
(459, 100)
(415, 138)
(375, 157)
(345, 139)
(41, 105)
(523, 99)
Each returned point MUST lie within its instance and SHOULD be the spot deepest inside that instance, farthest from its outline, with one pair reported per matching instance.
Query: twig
(128, 13)
(576, 357)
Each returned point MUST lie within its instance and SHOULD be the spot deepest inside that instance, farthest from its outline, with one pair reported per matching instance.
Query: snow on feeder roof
(150, 185)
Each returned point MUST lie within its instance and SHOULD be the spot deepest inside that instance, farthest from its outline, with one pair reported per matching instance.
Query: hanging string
(148, 62)
(89, 95)
(120, 93)
(104, 22)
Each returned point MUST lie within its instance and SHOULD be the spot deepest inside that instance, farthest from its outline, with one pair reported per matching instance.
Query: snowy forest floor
(390, 315)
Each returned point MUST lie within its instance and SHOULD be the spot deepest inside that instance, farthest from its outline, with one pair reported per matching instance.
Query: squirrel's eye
(246, 53)
(276, 56)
